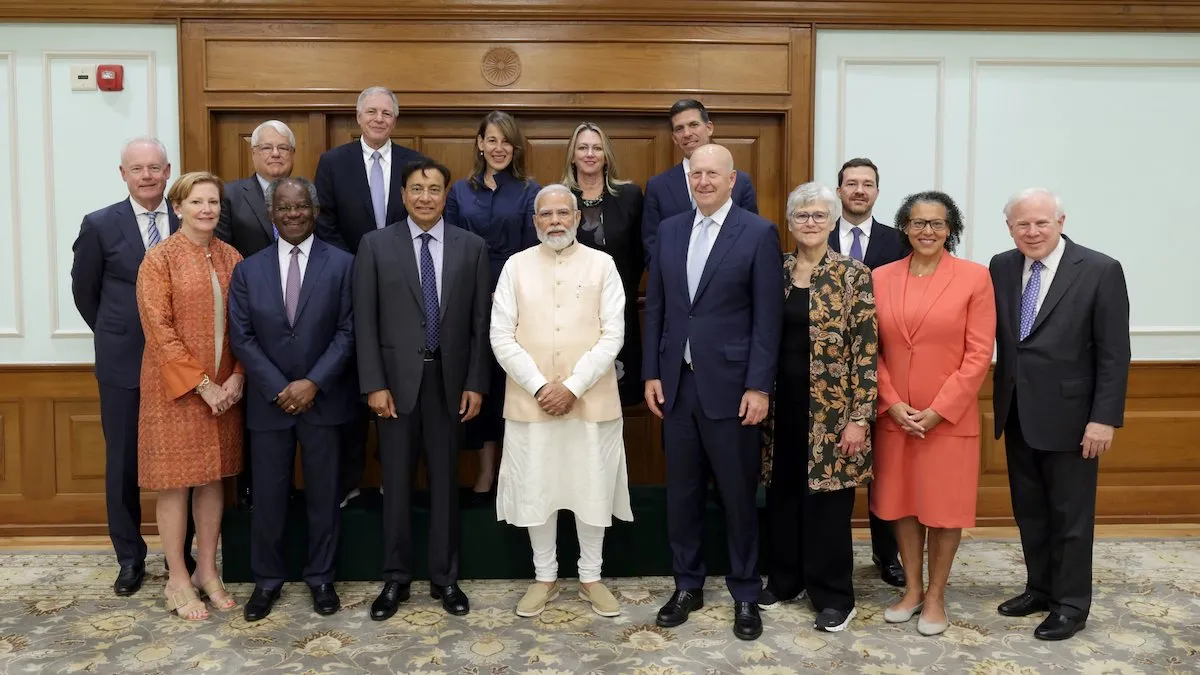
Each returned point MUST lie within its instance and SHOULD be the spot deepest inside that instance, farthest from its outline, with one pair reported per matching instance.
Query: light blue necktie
(697, 257)
(153, 238)
(1030, 297)
(377, 201)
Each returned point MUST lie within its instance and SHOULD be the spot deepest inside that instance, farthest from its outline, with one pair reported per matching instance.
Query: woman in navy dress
(496, 203)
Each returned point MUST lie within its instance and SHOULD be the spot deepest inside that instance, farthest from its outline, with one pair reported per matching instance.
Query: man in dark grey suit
(245, 225)
(108, 252)
(422, 304)
(1062, 327)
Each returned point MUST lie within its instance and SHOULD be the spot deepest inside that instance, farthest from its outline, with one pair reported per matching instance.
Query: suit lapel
(252, 193)
(1010, 290)
(395, 202)
(273, 275)
(835, 239)
(874, 246)
(730, 230)
(942, 277)
(408, 263)
(172, 220)
(451, 261)
(1068, 269)
(312, 274)
(358, 167)
(129, 227)
(897, 291)
(677, 184)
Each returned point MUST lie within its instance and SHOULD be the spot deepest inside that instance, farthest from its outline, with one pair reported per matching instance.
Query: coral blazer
(941, 361)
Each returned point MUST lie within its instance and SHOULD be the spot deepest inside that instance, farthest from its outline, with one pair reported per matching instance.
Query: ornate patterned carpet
(58, 615)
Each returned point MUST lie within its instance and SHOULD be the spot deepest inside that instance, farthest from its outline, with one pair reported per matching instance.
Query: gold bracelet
(203, 384)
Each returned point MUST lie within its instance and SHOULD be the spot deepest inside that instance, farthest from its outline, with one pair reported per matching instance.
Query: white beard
(557, 242)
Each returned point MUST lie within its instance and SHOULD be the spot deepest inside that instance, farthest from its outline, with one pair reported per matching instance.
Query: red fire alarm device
(110, 78)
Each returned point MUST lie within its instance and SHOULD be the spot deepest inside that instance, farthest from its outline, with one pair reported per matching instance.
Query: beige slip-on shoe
(536, 598)
(603, 602)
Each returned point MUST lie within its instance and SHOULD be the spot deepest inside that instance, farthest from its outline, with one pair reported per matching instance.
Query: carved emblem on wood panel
(500, 66)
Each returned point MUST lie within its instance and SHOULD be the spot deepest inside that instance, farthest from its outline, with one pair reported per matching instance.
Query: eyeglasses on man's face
(267, 149)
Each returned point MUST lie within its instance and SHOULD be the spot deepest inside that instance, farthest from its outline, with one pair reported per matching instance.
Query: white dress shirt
(436, 249)
(1050, 266)
(847, 237)
(718, 218)
(385, 160)
(161, 221)
(285, 260)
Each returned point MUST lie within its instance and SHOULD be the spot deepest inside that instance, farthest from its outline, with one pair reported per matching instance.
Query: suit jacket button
(420, 351)
(422, 324)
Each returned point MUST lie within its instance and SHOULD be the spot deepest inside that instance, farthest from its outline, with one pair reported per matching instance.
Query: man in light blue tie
(1062, 365)
(108, 252)
(714, 316)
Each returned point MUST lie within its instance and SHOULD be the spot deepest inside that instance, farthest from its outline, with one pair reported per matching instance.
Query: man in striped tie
(108, 252)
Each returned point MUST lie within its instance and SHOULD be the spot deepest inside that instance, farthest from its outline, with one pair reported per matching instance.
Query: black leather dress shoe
(891, 571)
(1058, 627)
(389, 600)
(260, 603)
(747, 624)
(129, 580)
(682, 603)
(325, 599)
(1023, 605)
(454, 601)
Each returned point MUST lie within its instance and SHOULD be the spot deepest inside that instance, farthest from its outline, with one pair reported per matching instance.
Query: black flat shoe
(747, 624)
(454, 601)
(682, 603)
(129, 579)
(1023, 605)
(389, 600)
(325, 599)
(1058, 627)
(260, 603)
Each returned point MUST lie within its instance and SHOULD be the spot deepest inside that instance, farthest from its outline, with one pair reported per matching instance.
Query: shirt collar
(844, 227)
(438, 231)
(1051, 261)
(262, 183)
(138, 210)
(385, 153)
(305, 246)
(718, 217)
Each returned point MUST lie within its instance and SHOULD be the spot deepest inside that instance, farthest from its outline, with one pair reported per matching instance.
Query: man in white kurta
(557, 326)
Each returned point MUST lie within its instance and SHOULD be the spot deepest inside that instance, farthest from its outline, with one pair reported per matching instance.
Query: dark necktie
(430, 294)
(856, 251)
(291, 292)
(1029, 298)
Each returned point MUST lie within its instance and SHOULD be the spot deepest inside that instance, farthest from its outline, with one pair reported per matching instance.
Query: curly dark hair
(954, 219)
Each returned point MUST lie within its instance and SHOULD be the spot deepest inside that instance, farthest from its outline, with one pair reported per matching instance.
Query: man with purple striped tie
(1062, 364)
(291, 326)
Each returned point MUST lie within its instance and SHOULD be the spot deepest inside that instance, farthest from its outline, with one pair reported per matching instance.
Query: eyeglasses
(418, 190)
(152, 169)
(270, 149)
(801, 217)
(292, 208)
(935, 225)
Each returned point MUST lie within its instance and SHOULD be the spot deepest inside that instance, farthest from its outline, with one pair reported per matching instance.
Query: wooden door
(642, 146)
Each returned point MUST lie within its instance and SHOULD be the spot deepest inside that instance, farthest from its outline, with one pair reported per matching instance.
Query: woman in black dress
(611, 222)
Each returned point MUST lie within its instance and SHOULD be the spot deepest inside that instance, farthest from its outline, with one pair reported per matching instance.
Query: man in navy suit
(859, 235)
(361, 190)
(108, 252)
(292, 328)
(714, 316)
(670, 192)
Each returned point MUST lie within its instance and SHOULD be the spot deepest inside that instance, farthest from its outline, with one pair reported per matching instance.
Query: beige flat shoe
(603, 602)
(185, 604)
(214, 590)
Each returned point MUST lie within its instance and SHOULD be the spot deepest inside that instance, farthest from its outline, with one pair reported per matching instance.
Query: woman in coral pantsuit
(190, 426)
(937, 325)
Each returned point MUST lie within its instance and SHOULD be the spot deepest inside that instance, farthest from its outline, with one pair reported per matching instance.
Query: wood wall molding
(937, 14)
(51, 453)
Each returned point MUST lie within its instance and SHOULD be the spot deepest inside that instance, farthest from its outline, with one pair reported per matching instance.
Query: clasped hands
(297, 397)
(554, 398)
(221, 398)
(914, 422)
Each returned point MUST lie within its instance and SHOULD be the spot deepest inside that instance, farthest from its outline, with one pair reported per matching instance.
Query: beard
(558, 242)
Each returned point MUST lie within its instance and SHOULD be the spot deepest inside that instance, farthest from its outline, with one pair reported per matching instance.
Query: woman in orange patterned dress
(190, 427)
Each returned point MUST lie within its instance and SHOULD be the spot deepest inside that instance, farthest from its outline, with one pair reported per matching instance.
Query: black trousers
(119, 410)
(1054, 503)
(694, 443)
(883, 538)
(811, 547)
(274, 460)
(352, 439)
(432, 429)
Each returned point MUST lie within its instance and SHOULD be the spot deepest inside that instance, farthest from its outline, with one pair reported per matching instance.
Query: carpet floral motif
(58, 615)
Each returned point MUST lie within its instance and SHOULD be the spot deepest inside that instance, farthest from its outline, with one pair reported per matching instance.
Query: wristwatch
(203, 385)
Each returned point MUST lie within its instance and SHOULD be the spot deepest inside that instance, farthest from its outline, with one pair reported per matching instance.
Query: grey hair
(555, 189)
(147, 140)
(291, 180)
(1021, 196)
(810, 193)
(372, 91)
(279, 127)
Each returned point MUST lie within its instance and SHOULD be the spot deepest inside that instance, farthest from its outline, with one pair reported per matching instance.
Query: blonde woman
(611, 221)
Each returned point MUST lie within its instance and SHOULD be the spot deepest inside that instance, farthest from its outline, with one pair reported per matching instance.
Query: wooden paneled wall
(52, 453)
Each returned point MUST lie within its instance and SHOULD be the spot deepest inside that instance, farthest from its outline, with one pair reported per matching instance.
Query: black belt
(433, 354)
